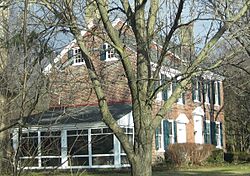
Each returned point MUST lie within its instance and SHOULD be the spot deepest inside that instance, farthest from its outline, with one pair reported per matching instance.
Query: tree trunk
(142, 166)
(4, 143)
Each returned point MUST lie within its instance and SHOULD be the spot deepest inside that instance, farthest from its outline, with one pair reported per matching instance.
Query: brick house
(70, 133)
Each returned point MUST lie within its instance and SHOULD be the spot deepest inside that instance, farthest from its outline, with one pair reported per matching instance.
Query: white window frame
(117, 154)
(171, 137)
(77, 56)
(216, 93)
(180, 99)
(218, 135)
(161, 136)
(110, 53)
(196, 92)
(205, 132)
(207, 100)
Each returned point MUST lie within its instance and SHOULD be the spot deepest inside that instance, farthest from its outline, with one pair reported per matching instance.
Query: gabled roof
(85, 114)
(127, 39)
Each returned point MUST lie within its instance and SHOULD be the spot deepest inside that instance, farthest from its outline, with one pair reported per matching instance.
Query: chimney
(186, 36)
(92, 15)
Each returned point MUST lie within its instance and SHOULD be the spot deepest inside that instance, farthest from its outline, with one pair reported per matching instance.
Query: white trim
(64, 150)
(182, 118)
(218, 135)
(198, 124)
(198, 111)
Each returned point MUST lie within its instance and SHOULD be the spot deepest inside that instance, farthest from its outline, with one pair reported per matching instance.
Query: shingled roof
(73, 115)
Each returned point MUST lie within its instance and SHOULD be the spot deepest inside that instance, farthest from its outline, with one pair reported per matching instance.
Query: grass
(224, 170)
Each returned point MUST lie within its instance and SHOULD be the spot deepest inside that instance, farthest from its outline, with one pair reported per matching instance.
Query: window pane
(29, 146)
(103, 160)
(51, 162)
(102, 144)
(124, 160)
(32, 162)
(79, 161)
(77, 145)
(51, 143)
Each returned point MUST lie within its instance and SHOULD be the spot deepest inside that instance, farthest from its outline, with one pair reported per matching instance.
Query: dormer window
(75, 55)
(108, 53)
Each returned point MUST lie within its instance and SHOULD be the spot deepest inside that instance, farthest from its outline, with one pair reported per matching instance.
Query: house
(71, 134)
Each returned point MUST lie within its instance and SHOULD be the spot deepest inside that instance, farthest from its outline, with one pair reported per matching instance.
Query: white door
(198, 139)
(181, 133)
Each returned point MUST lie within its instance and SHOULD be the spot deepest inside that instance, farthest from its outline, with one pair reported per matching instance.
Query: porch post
(64, 158)
(117, 152)
(89, 148)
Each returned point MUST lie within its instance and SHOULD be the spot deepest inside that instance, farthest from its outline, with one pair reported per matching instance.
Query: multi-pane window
(108, 53)
(196, 90)
(29, 149)
(76, 57)
(207, 91)
(167, 90)
(102, 147)
(72, 148)
(159, 138)
(165, 134)
(217, 93)
(51, 146)
(217, 134)
(207, 132)
(77, 147)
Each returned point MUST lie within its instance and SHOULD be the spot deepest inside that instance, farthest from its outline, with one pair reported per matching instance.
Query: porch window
(77, 147)
(129, 132)
(29, 149)
(102, 149)
(51, 148)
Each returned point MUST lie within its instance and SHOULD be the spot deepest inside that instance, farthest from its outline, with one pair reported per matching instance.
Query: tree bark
(142, 166)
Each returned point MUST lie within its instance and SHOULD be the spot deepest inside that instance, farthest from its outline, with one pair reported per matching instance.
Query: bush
(188, 153)
(237, 157)
(217, 156)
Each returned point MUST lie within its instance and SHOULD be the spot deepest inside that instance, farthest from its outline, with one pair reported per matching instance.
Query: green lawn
(228, 170)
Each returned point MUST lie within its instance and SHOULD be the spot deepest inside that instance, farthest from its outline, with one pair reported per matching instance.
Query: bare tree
(23, 85)
(147, 22)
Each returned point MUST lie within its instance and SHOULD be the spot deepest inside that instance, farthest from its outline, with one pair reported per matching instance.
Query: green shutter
(193, 89)
(213, 92)
(218, 88)
(156, 138)
(199, 90)
(166, 133)
(175, 132)
(103, 52)
(208, 132)
(213, 133)
(70, 53)
(209, 91)
(221, 134)
(165, 94)
(205, 132)
(165, 90)
(183, 98)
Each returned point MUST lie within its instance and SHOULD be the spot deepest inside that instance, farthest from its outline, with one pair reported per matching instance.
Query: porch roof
(85, 114)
